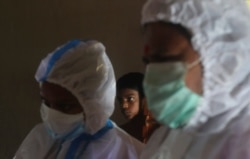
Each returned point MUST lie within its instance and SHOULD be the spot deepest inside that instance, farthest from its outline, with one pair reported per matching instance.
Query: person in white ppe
(77, 87)
(197, 79)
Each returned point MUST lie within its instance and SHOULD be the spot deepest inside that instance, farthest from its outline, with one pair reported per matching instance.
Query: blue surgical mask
(169, 100)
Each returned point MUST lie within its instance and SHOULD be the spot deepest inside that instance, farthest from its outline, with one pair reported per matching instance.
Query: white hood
(221, 35)
(85, 70)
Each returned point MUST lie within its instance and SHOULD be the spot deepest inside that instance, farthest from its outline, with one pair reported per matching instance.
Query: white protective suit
(84, 69)
(219, 129)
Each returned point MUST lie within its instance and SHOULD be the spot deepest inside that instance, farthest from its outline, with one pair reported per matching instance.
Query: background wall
(31, 29)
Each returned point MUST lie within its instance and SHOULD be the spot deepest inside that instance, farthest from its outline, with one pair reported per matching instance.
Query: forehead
(127, 92)
(55, 92)
(163, 41)
(159, 30)
(160, 33)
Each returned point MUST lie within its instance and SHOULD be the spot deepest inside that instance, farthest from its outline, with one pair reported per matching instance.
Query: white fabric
(60, 123)
(231, 143)
(115, 144)
(221, 35)
(86, 71)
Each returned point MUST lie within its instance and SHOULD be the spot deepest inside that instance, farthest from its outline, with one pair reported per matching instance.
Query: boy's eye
(131, 99)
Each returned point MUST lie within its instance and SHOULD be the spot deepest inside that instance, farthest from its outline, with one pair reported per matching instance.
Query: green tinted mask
(169, 100)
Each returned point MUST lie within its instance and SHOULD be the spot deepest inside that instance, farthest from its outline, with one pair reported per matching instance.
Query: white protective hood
(85, 70)
(221, 35)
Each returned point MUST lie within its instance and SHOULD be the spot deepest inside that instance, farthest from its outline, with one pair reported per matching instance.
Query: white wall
(31, 29)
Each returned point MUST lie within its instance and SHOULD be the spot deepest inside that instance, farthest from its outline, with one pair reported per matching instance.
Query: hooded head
(83, 69)
(219, 33)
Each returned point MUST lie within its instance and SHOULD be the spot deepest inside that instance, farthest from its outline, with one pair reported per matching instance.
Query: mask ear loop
(196, 62)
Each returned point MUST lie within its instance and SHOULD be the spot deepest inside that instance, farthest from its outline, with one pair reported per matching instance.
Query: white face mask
(60, 124)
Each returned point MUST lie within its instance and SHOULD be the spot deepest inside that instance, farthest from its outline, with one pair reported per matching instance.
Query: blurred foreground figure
(197, 80)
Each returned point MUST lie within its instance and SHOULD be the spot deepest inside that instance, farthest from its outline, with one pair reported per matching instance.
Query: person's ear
(144, 103)
(145, 106)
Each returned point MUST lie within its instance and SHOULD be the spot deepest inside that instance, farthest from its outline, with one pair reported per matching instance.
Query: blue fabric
(72, 152)
(57, 55)
(73, 133)
(62, 139)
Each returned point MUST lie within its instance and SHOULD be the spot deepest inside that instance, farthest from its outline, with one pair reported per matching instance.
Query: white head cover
(221, 35)
(85, 70)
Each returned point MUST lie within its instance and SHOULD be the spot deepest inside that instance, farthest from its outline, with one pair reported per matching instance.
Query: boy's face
(129, 102)
(58, 98)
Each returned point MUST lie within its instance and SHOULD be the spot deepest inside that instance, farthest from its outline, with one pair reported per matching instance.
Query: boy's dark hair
(132, 80)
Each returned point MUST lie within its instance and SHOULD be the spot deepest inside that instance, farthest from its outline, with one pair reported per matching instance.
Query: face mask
(169, 100)
(60, 124)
